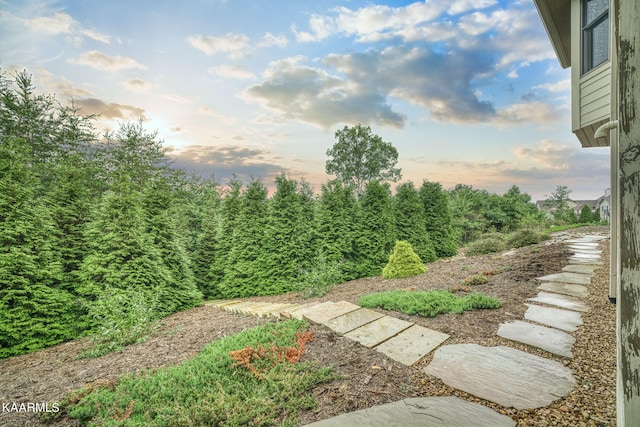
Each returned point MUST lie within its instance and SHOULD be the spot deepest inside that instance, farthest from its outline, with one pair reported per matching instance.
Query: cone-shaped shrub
(403, 262)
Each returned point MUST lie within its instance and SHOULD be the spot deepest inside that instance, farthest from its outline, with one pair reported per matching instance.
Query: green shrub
(123, 317)
(428, 303)
(485, 245)
(319, 281)
(403, 262)
(476, 279)
(210, 389)
(525, 237)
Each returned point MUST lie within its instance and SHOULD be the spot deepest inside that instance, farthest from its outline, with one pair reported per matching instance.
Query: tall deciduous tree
(559, 203)
(360, 156)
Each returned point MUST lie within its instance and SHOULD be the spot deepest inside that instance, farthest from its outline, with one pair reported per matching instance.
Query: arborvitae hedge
(438, 218)
(411, 221)
(376, 229)
(403, 262)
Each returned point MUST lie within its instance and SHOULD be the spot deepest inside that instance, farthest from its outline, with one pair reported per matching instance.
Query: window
(595, 33)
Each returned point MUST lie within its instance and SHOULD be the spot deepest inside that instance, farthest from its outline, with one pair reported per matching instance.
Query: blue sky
(468, 91)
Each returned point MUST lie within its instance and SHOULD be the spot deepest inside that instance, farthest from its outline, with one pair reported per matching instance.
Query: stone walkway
(405, 342)
(509, 377)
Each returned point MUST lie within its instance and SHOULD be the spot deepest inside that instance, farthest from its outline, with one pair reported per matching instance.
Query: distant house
(601, 204)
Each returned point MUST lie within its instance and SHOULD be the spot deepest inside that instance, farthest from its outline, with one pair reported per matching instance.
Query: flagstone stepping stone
(559, 300)
(565, 289)
(548, 339)
(412, 344)
(580, 268)
(352, 320)
(565, 320)
(448, 411)
(271, 310)
(592, 261)
(221, 303)
(585, 257)
(378, 331)
(325, 311)
(585, 246)
(296, 311)
(567, 277)
(506, 376)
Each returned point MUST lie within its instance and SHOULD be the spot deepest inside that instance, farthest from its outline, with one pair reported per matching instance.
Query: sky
(468, 91)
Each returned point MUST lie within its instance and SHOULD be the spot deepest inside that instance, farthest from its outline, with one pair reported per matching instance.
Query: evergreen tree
(438, 218)
(403, 262)
(586, 216)
(121, 253)
(242, 270)
(227, 221)
(289, 248)
(411, 221)
(376, 231)
(181, 291)
(207, 243)
(35, 310)
(336, 220)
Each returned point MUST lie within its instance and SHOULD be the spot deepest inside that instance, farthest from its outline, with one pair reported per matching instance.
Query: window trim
(587, 37)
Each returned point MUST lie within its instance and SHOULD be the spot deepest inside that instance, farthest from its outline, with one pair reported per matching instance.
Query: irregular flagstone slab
(247, 307)
(580, 268)
(583, 256)
(325, 311)
(378, 331)
(447, 411)
(573, 260)
(548, 339)
(560, 300)
(352, 320)
(567, 277)
(565, 320)
(582, 246)
(412, 344)
(506, 376)
(565, 289)
(270, 310)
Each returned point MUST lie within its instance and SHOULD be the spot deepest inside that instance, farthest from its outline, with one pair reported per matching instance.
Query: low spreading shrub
(474, 280)
(251, 378)
(525, 237)
(485, 245)
(428, 303)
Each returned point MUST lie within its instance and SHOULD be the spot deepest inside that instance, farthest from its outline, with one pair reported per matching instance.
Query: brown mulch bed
(368, 377)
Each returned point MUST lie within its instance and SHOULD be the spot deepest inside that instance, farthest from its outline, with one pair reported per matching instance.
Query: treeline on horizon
(86, 221)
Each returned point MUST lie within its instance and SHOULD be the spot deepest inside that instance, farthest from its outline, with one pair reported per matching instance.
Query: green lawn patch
(428, 303)
(251, 378)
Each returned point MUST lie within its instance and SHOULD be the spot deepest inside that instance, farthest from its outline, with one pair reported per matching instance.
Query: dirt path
(369, 377)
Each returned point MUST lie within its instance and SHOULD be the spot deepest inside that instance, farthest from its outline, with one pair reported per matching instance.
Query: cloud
(225, 160)
(137, 85)
(527, 112)
(231, 43)
(269, 40)
(561, 86)
(61, 23)
(49, 83)
(100, 61)
(109, 110)
(231, 72)
(309, 94)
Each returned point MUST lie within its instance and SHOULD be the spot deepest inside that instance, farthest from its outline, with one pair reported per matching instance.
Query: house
(601, 204)
(599, 39)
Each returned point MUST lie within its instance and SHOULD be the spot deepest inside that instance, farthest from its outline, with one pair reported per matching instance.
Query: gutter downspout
(601, 132)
